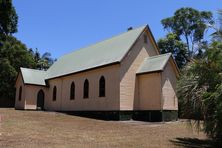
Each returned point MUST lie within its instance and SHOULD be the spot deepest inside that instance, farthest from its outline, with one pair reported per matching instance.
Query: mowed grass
(49, 129)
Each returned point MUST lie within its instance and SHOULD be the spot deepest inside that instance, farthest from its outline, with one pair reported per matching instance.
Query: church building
(124, 77)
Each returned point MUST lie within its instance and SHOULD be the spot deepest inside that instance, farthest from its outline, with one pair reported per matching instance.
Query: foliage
(8, 18)
(213, 126)
(200, 90)
(217, 35)
(13, 55)
(189, 25)
(7, 78)
(42, 62)
(172, 44)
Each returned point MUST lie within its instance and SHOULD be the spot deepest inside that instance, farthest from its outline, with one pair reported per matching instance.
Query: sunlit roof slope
(106, 52)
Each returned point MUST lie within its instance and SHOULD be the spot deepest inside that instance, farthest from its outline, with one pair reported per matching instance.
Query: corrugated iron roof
(154, 63)
(102, 53)
(106, 52)
(32, 76)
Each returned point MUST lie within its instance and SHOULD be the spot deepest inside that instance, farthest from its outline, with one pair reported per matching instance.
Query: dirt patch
(48, 129)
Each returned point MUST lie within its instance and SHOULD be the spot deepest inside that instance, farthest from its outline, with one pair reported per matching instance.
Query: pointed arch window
(102, 87)
(86, 89)
(54, 93)
(20, 93)
(72, 91)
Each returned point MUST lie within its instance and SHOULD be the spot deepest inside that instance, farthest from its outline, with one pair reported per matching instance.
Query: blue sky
(60, 27)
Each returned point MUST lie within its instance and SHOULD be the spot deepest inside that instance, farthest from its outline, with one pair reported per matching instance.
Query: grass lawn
(49, 129)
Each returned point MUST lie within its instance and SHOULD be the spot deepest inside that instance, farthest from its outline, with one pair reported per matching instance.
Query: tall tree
(8, 18)
(200, 91)
(172, 44)
(13, 55)
(190, 25)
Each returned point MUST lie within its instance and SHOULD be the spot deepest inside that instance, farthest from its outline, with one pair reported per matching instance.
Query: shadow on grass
(194, 143)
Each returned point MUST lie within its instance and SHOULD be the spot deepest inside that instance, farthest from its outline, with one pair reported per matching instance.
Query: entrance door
(40, 100)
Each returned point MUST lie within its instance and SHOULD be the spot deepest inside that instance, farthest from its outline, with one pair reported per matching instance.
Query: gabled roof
(103, 53)
(154, 63)
(32, 76)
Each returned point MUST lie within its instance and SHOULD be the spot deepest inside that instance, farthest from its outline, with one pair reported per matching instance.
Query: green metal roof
(32, 76)
(102, 53)
(106, 52)
(154, 63)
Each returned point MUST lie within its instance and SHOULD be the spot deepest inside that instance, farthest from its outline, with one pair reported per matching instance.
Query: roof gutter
(149, 72)
(35, 84)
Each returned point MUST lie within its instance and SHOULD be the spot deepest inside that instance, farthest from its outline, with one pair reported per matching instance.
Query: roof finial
(130, 28)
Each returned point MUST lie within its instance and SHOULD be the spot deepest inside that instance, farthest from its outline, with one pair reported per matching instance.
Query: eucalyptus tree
(190, 26)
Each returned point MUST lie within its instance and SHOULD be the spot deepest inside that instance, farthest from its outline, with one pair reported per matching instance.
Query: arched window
(72, 91)
(54, 93)
(102, 87)
(86, 89)
(20, 93)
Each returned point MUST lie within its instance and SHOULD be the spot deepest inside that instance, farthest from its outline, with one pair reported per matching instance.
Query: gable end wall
(129, 98)
(169, 80)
